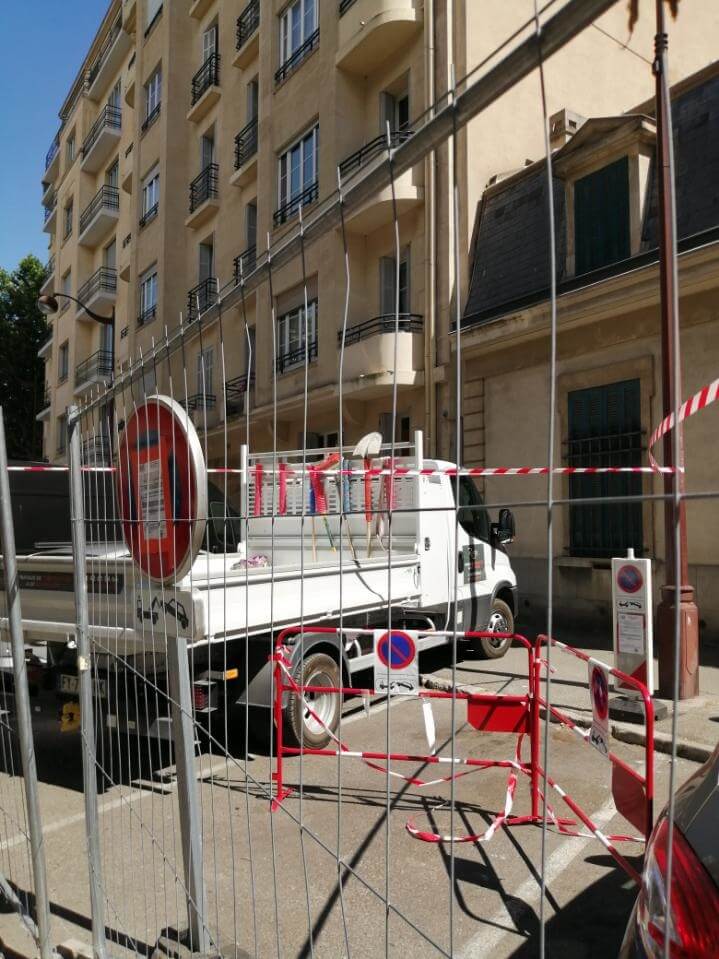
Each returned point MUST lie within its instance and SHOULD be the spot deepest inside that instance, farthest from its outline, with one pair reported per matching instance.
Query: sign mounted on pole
(632, 620)
(162, 489)
(396, 668)
(599, 694)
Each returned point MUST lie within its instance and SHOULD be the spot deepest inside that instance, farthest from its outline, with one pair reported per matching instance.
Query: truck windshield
(473, 517)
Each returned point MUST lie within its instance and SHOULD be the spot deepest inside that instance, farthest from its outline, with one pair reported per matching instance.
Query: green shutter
(605, 430)
(601, 217)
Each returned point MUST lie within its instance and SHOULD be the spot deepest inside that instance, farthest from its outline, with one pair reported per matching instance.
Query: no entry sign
(599, 694)
(162, 489)
(395, 661)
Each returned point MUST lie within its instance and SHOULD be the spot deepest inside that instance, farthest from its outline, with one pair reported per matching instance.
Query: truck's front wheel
(318, 669)
(501, 620)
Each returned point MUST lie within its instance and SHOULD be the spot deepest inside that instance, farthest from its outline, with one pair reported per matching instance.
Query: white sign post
(632, 608)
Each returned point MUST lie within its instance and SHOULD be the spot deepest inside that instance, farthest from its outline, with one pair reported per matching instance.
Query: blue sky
(42, 46)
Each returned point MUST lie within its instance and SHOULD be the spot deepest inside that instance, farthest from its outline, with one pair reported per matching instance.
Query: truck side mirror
(503, 531)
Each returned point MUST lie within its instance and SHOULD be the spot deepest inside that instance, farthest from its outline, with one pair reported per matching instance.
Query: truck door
(472, 555)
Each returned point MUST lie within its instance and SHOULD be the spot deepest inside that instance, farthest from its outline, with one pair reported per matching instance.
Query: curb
(625, 732)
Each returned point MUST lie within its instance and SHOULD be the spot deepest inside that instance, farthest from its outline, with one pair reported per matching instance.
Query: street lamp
(48, 305)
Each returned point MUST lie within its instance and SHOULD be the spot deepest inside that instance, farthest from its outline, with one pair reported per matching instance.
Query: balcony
(46, 348)
(108, 61)
(235, 393)
(370, 353)
(129, 15)
(290, 209)
(46, 407)
(99, 216)
(248, 37)
(378, 211)
(50, 214)
(201, 298)
(52, 159)
(369, 151)
(95, 369)
(245, 262)
(149, 215)
(49, 282)
(245, 155)
(296, 358)
(47, 191)
(300, 54)
(205, 88)
(98, 294)
(147, 316)
(102, 139)
(204, 201)
(150, 119)
(199, 402)
(371, 32)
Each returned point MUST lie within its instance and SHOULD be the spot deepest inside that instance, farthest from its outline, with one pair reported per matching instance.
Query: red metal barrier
(517, 714)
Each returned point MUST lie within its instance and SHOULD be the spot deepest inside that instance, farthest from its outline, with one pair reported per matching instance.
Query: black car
(694, 921)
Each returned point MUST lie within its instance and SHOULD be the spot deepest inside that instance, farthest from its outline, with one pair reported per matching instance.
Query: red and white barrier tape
(702, 398)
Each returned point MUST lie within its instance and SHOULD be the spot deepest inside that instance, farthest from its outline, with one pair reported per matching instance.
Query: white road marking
(488, 938)
(78, 817)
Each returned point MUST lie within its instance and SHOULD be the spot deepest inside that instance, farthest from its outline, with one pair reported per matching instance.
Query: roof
(511, 252)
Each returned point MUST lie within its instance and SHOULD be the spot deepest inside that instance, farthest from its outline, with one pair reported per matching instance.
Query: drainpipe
(430, 271)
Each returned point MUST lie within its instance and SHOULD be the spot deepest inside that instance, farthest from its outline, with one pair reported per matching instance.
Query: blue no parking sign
(396, 670)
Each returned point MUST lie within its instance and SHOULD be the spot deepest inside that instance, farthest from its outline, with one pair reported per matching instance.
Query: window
(114, 100)
(150, 196)
(297, 24)
(66, 288)
(63, 362)
(61, 433)
(148, 296)
(298, 173)
(472, 515)
(152, 10)
(605, 430)
(206, 260)
(251, 226)
(207, 149)
(204, 371)
(153, 94)
(106, 341)
(601, 217)
(67, 220)
(253, 98)
(291, 336)
(70, 149)
(388, 280)
(394, 109)
(109, 256)
(209, 42)
(112, 174)
(402, 429)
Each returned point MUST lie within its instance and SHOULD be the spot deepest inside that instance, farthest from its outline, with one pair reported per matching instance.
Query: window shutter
(601, 217)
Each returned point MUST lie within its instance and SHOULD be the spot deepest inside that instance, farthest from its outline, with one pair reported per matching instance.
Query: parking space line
(490, 936)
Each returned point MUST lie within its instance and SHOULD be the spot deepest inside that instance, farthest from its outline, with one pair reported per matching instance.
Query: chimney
(562, 126)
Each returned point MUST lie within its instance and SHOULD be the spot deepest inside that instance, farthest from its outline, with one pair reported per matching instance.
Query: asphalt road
(274, 885)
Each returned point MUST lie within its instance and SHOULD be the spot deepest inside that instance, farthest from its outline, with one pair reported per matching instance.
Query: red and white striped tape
(702, 398)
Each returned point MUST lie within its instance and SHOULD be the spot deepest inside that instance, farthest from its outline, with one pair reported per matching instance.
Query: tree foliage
(23, 330)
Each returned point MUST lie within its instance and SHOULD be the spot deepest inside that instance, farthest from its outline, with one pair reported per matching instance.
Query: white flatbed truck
(229, 611)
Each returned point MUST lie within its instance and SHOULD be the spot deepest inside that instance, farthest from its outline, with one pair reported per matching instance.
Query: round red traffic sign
(629, 578)
(162, 489)
(600, 693)
(396, 649)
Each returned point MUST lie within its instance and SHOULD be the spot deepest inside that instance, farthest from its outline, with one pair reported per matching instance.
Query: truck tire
(501, 620)
(318, 669)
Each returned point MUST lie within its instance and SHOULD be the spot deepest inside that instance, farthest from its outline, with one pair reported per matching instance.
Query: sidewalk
(697, 719)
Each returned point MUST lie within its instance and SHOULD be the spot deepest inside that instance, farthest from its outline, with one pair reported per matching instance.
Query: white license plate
(71, 684)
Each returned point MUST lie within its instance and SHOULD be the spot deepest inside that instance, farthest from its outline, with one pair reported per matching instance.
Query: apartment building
(197, 130)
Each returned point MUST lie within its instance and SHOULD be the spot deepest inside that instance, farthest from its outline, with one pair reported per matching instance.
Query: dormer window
(601, 217)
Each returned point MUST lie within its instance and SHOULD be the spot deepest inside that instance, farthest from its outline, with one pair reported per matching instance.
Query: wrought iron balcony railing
(291, 208)
(247, 22)
(207, 76)
(246, 143)
(107, 197)
(293, 61)
(110, 117)
(386, 323)
(150, 118)
(201, 297)
(235, 392)
(204, 186)
(372, 149)
(149, 215)
(199, 401)
(103, 280)
(97, 366)
(50, 206)
(245, 262)
(147, 316)
(104, 51)
(53, 151)
(46, 397)
(50, 267)
(293, 358)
